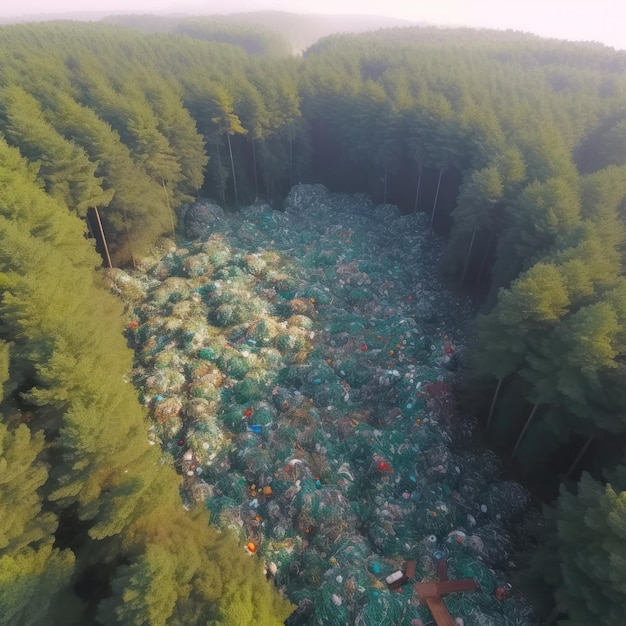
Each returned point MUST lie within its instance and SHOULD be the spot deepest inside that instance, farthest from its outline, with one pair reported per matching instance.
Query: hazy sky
(591, 20)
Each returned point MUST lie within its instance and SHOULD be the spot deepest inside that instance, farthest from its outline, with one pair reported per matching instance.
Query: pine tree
(138, 212)
(537, 298)
(148, 589)
(29, 580)
(64, 168)
(32, 573)
(592, 547)
(67, 343)
(478, 195)
(227, 123)
(175, 122)
(23, 474)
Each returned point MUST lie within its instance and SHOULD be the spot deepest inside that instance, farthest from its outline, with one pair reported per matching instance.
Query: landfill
(299, 370)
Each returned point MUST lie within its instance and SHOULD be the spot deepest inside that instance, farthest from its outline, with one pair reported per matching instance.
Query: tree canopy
(513, 145)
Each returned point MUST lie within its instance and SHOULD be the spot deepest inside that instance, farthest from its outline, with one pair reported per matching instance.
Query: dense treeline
(86, 504)
(265, 31)
(254, 38)
(514, 145)
(92, 525)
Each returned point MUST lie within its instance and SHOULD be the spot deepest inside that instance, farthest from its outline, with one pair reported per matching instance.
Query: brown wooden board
(442, 569)
(428, 589)
(431, 592)
(440, 612)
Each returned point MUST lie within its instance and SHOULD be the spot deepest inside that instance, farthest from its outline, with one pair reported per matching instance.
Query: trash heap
(298, 368)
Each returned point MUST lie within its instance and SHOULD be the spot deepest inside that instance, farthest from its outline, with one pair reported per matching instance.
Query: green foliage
(144, 592)
(22, 475)
(4, 364)
(240, 608)
(538, 296)
(64, 167)
(592, 547)
(29, 579)
(92, 115)
(70, 360)
(252, 39)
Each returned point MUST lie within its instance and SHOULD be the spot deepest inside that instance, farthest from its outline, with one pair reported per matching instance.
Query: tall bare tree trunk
(580, 455)
(469, 254)
(232, 167)
(419, 183)
(219, 167)
(526, 425)
(482, 264)
(171, 211)
(104, 239)
(289, 131)
(256, 179)
(493, 403)
(432, 215)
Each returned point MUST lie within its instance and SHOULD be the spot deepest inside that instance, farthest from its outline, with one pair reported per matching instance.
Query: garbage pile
(298, 367)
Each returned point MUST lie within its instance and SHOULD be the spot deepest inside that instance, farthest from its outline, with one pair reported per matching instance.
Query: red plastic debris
(181, 442)
(133, 324)
(248, 412)
(383, 466)
(363, 348)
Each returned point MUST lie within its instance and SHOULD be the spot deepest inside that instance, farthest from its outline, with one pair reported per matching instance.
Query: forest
(513, 146)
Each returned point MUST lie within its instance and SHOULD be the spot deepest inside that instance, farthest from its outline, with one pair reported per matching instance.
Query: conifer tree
(592, 548)
(67, 341)
(479, 193)
(64, 168)
(138, 212)
(227, 123)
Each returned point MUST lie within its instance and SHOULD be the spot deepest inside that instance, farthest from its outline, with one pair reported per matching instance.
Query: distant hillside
(253, 38)
(304, 30)
(301, 31)
(77, 16)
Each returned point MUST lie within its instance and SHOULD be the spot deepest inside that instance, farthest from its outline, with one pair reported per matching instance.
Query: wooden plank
(432, 589)
(440, 612)
(410, 568)
(442, 569)
(453, 586)
(426, 590)
(431, 592)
